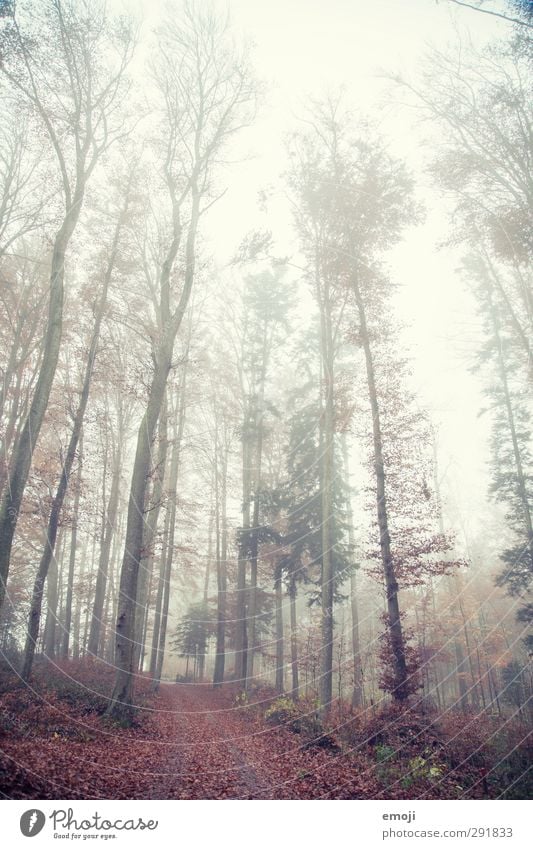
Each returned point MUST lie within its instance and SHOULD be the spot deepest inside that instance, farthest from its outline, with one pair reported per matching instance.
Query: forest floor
(192, 742)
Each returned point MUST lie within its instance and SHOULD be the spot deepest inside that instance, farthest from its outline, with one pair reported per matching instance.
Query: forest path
(189, 742)
(216, 751)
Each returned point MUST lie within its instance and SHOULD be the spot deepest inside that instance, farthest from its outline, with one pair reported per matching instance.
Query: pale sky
(302, 48)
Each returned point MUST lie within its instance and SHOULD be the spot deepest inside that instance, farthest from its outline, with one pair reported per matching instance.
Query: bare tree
(75, 436)
(72, 86)
(206, 97)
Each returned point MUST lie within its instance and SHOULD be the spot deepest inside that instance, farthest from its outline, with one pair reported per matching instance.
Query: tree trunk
(520, 476)
(240, 624)
(357, 690)
(460, 666)
(120, 705)
(254, 539)
(49, 636)
(400, 689)
(57, 504)
(295, 688)
(121, 702)
(222, 582)
(150, 530)
(72, 556)
(93, 647)
(19, 466)
(327, 453)
(279, 632)
(167, 553)
(79, 602)
(161, 577)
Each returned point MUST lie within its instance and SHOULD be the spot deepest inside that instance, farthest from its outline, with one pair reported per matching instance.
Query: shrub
(281, 712)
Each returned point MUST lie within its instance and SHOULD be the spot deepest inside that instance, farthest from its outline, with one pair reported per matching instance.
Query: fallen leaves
(192, 742)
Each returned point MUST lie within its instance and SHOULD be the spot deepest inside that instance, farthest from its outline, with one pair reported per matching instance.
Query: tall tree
(266, 301)
(355, 199)
(511, 437)
(57, 503)
(206, 94)
(79, 54)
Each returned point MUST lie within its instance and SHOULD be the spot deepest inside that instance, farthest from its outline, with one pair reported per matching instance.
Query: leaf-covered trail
(213, 751)
(190, 742)
(218, 750)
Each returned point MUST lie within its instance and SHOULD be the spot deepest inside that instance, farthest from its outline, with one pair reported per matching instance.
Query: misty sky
(301, 49)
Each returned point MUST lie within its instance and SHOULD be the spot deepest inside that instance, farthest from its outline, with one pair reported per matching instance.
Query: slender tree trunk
(168, 554)
(210, 531)
(521, 333)
(279, 631)
(49, 635)
(121, 702)
(161, 577)
(108, 635)
(475, 682)
(295, 685)
(453, 589)
(520, 476)
(460, 672)
(72, 555)
(400, 690)
(222, 582)
(254, 539)
(327, 453)
(57, 504)
(240, 624)
(150, 530)
(164, 612)
(78, 606)
(19, 466)
(93, 647)
(490, 674)
(357, 690)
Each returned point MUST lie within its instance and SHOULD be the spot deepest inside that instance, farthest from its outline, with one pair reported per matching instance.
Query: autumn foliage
(190, 742)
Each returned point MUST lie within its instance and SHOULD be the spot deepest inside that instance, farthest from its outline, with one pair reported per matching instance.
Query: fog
(265, 337)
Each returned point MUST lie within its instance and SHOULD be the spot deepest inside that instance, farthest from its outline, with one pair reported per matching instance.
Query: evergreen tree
(192, 635)
(512, 481)
(303, 504)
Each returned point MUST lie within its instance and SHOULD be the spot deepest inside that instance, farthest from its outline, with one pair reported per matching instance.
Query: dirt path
(216, 752)
(191, 742)
(222, 751)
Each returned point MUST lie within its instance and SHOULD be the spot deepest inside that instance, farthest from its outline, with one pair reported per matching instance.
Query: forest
(266, 493)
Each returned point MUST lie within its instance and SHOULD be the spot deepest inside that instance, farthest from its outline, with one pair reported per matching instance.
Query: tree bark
(520, 476)
(72, 556)
(295, 688)
(241, 623)
(400, 689)
(19, 466)
(163, 590)
(93, 647)
(150, 529)
(121, 702)
(279, 631)
(357, 690)
(222, 555)
(256, 498)
(57, 504)
(52, 594)
(327, 454)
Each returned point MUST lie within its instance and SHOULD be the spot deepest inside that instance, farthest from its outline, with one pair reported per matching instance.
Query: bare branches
(68, 65)
(480, 8)
(483, 110)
